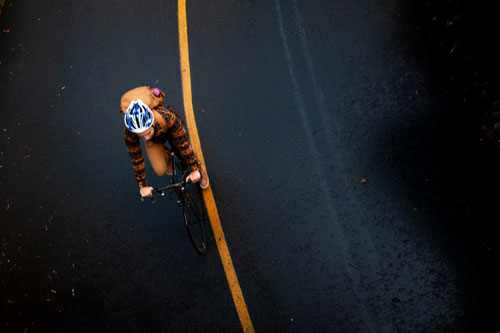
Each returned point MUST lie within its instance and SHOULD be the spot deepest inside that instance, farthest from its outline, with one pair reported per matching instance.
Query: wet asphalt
(325, 126)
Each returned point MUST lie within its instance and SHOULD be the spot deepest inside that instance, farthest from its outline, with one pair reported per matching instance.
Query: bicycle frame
(178, 187)
(191, 209)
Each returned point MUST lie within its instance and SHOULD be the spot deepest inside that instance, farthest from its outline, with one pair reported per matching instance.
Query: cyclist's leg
(168, 160)
(157, 157)
(204, 182)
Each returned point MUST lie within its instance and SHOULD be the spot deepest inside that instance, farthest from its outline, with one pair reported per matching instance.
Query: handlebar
(159, 192)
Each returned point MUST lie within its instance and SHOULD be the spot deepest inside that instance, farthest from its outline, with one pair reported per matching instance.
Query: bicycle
(190, 200)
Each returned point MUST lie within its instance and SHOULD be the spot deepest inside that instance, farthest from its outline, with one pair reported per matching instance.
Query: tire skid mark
(301, 106)
(339, 163)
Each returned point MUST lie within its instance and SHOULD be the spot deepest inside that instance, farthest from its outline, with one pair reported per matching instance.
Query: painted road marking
(213, 215)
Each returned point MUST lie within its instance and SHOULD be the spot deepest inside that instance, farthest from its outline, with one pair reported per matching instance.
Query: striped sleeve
(180, 139)
(133, 144)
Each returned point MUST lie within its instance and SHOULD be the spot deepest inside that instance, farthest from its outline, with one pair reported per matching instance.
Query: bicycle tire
(194, 218)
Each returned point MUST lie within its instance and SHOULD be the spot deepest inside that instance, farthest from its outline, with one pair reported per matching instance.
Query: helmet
(138, 117)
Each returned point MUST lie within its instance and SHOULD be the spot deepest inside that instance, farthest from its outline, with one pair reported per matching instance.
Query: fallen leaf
(6, 30)
(362, 180)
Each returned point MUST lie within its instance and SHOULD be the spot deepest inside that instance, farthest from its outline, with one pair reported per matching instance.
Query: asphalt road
(325, 129)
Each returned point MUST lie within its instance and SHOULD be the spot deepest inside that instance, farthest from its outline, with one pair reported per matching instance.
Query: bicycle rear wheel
(195, 217)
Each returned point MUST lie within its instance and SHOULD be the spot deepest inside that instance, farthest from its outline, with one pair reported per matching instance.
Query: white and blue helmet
(138, 117)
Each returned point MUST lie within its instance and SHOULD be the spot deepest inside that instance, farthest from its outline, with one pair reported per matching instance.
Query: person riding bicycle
(145, 118)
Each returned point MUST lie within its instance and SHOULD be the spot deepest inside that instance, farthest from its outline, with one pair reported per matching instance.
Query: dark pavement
(340, 181)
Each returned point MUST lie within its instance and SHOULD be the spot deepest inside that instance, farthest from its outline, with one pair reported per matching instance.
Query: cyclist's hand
(193, 177)
(146, 191)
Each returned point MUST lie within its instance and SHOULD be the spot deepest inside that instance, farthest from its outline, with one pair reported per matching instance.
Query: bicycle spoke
(195, 224)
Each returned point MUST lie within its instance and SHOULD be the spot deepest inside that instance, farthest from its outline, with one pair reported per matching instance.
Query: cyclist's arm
(180, 140)
(135, 152)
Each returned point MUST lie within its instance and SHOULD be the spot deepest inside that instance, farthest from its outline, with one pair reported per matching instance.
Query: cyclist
(150, 121)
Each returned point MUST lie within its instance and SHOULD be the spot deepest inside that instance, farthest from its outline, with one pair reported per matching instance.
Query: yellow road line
(213, 215)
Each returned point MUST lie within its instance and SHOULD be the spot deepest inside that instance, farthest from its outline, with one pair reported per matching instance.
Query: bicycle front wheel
(194, 217)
